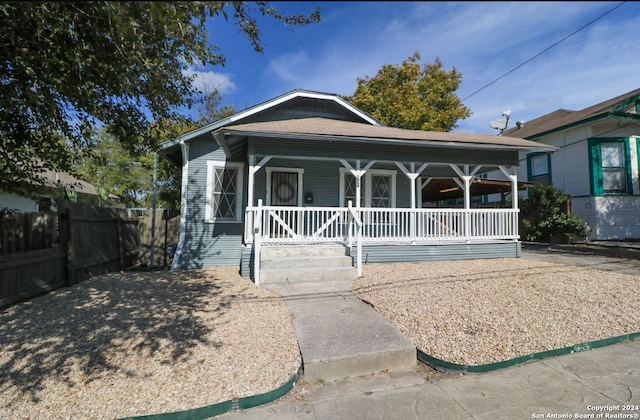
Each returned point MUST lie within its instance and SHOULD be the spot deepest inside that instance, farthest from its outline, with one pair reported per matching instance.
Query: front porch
(384, 234)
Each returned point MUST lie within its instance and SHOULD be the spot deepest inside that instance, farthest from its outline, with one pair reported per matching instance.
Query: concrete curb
(445, 366)
(226, 406)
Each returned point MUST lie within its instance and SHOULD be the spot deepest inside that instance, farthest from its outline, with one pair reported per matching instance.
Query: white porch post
(466, 176)
(412, 175)
(357, 173)
(253, 168)
(512, 174)
(257, 242)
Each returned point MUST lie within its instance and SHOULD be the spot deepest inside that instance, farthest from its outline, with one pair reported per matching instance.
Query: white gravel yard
(482, 311)
(139, 343)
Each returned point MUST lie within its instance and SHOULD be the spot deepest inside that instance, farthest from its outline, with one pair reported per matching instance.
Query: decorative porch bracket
(466, 176)
(412, 175)
(253, 168)
(357, 173)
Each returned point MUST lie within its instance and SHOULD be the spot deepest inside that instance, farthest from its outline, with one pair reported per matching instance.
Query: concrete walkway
(339, 335)
(571, 386)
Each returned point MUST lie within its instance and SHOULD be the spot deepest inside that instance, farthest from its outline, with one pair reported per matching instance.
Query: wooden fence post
(120, 244)
(71, 275)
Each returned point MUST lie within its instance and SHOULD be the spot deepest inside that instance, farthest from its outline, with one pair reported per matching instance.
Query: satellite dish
(499, 123)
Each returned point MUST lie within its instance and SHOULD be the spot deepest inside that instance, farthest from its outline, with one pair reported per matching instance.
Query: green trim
(455, 367)
(571, 125)
(595, 164)
(226, 406)
(624, 105)
(530, 156)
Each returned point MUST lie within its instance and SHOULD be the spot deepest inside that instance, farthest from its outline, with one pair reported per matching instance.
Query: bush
(545, 217)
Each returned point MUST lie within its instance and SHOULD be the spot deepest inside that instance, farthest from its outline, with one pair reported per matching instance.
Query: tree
(212, 110)
(412, 97)
(545, 217)
(67, 67)
(111, 167)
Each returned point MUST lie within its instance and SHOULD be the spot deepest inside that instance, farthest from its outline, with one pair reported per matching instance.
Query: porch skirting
(407, 252)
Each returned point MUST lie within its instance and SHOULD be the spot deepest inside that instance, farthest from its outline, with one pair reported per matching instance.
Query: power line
(545, 50)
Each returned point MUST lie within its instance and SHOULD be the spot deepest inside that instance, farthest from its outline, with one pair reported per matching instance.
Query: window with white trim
(224, 191)
(614, 169)
(377, 188)
(610, 166)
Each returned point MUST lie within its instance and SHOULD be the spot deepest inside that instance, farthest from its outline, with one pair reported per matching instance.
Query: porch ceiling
(446, 188)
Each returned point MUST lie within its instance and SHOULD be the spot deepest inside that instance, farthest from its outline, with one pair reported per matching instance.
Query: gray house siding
(418, 253)
(322, 179)
(207, 244)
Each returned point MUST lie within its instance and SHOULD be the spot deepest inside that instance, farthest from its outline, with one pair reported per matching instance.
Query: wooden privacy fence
(165, 238)
(42, 252)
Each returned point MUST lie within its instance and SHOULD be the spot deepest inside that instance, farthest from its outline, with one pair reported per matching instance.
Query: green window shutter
(627, 159)
(595, 167)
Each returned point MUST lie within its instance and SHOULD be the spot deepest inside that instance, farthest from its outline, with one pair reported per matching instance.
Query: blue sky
(482, 40)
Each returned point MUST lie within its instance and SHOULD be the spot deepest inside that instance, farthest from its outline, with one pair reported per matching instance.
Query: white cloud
(206, 81)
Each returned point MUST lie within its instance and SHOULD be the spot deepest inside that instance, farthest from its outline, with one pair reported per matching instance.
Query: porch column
(412, 175)
(357, 173)
(513, 177)
(512, 174)
(466, 176)
(253, 168)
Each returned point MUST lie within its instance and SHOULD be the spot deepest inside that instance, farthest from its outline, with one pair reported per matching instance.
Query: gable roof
(622, 106)
(270, 104)
(328, 129)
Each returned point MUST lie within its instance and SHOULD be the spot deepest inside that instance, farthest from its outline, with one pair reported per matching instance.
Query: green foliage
(412, 97)
(67, 67)
(212, 110)
(545, 219)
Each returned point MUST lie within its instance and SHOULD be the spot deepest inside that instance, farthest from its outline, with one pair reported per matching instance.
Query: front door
(284, 188)
(284, 191)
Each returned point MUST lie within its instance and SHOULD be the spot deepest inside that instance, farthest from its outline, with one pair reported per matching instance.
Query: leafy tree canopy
(411, 96)
(67, 67)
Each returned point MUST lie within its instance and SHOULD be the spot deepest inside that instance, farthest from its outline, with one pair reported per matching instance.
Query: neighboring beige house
(596, 162)
(46, 193)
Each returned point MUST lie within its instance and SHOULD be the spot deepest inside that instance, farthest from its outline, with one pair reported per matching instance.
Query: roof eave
(221, 134)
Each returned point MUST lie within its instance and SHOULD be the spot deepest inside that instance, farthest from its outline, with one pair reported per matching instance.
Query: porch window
(377, 188)
(224, 192)
(610, 166)
(348, 183)
(539, 168)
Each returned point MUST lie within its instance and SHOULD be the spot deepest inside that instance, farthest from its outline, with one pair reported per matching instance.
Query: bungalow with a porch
(307, 171)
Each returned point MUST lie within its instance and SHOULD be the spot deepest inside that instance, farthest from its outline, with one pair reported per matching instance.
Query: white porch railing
(355, 226)
(332, 224)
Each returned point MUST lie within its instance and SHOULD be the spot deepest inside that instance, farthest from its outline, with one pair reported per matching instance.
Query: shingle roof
(563, 117)
(346, 129)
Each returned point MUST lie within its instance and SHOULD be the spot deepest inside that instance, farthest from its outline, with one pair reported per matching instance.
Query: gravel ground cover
(133, 344)
(482, 311)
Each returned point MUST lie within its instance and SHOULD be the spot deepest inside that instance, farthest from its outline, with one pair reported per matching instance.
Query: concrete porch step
(306, 274)
(305, 262)
(321, 250)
